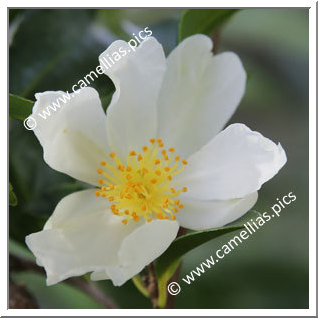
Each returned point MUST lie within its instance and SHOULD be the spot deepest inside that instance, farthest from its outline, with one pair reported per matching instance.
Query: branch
(175, 276)
(20, 298)
(153, 285)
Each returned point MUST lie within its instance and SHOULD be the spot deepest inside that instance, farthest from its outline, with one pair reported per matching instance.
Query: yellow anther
(160, 216)
(142, 183)
(185, 162)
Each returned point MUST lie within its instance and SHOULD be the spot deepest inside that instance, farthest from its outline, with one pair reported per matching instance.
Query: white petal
(203, 215)
(74, 137)
(232, 165)
(99, 275)
(200, 92)
(141, 247)
(81, 236)
(131, 116)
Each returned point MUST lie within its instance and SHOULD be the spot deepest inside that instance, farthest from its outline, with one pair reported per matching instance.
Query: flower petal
(74, 137)
(232, 165)
(203, 215)
(137, 75)
(199, 94)
(142, 247)
(81, 236)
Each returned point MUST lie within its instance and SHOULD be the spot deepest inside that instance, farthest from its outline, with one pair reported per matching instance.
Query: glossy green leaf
(169, 261)
(13, 201)
(46, 55)
(19, 107)
(188, 242)
(204, 21)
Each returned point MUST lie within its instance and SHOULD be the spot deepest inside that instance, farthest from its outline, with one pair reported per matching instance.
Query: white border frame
(312, 165)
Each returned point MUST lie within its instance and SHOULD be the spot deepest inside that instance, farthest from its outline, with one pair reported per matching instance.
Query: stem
(153, 285)
(216, 39)
(175, 276)
(140, 285)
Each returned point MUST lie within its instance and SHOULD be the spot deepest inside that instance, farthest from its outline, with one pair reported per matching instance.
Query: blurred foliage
(53, 49)
(13, 201)
(204, 21)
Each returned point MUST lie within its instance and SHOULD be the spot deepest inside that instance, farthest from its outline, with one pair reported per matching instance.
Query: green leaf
(169, 261)
(113, 19)
(13, 201)
(58, 296)
(163, 279)
(19, 107)
(204, 21)
(46, 55)
(19, 250)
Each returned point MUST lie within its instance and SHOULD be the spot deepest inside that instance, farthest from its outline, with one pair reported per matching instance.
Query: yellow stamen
(139, 186)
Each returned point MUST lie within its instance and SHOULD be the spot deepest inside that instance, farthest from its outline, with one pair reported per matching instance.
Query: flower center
(141, 186)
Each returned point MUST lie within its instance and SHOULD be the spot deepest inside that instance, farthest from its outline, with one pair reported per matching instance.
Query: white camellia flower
(158, 158)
